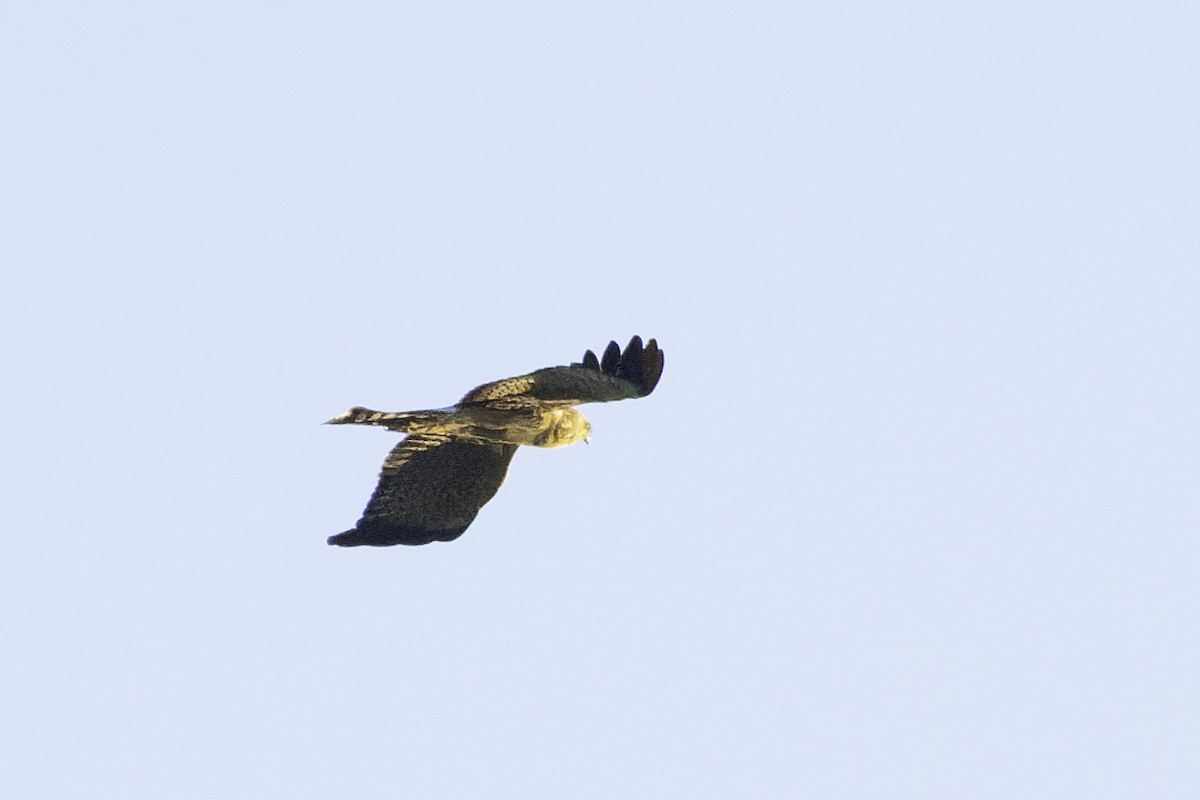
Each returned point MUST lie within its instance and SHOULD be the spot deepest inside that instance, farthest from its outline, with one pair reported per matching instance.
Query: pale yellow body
(535, 427)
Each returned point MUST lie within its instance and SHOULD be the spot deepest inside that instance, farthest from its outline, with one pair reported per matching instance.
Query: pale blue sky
(912, 514)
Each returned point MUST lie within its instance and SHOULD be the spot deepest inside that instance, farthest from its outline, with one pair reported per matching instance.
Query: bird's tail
(403, 421)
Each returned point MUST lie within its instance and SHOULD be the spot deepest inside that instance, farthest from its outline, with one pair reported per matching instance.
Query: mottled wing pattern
(430, 489)
(616, 376)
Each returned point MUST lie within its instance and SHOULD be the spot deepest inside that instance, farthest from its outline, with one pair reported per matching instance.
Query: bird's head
(567, 426)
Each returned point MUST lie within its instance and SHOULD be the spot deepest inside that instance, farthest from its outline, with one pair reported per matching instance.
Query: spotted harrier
(454, 459)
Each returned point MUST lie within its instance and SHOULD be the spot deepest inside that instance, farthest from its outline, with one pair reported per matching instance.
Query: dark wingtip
(611, 362)
(379, 533)
(641, 365)
(651, 366)
(343, 539)
(631, 361)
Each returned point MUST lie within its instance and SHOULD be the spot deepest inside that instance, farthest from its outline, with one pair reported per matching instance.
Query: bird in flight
(454, 459)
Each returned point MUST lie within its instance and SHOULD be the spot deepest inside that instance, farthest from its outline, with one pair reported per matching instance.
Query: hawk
(454, 459)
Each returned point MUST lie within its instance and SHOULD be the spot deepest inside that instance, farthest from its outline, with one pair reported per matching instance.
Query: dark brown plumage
(454, 460)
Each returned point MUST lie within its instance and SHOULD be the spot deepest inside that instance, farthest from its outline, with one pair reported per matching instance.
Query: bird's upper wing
(616, 376)
(430, 489)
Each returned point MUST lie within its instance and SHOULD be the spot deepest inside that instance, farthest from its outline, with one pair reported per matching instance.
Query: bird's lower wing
(430, 489)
